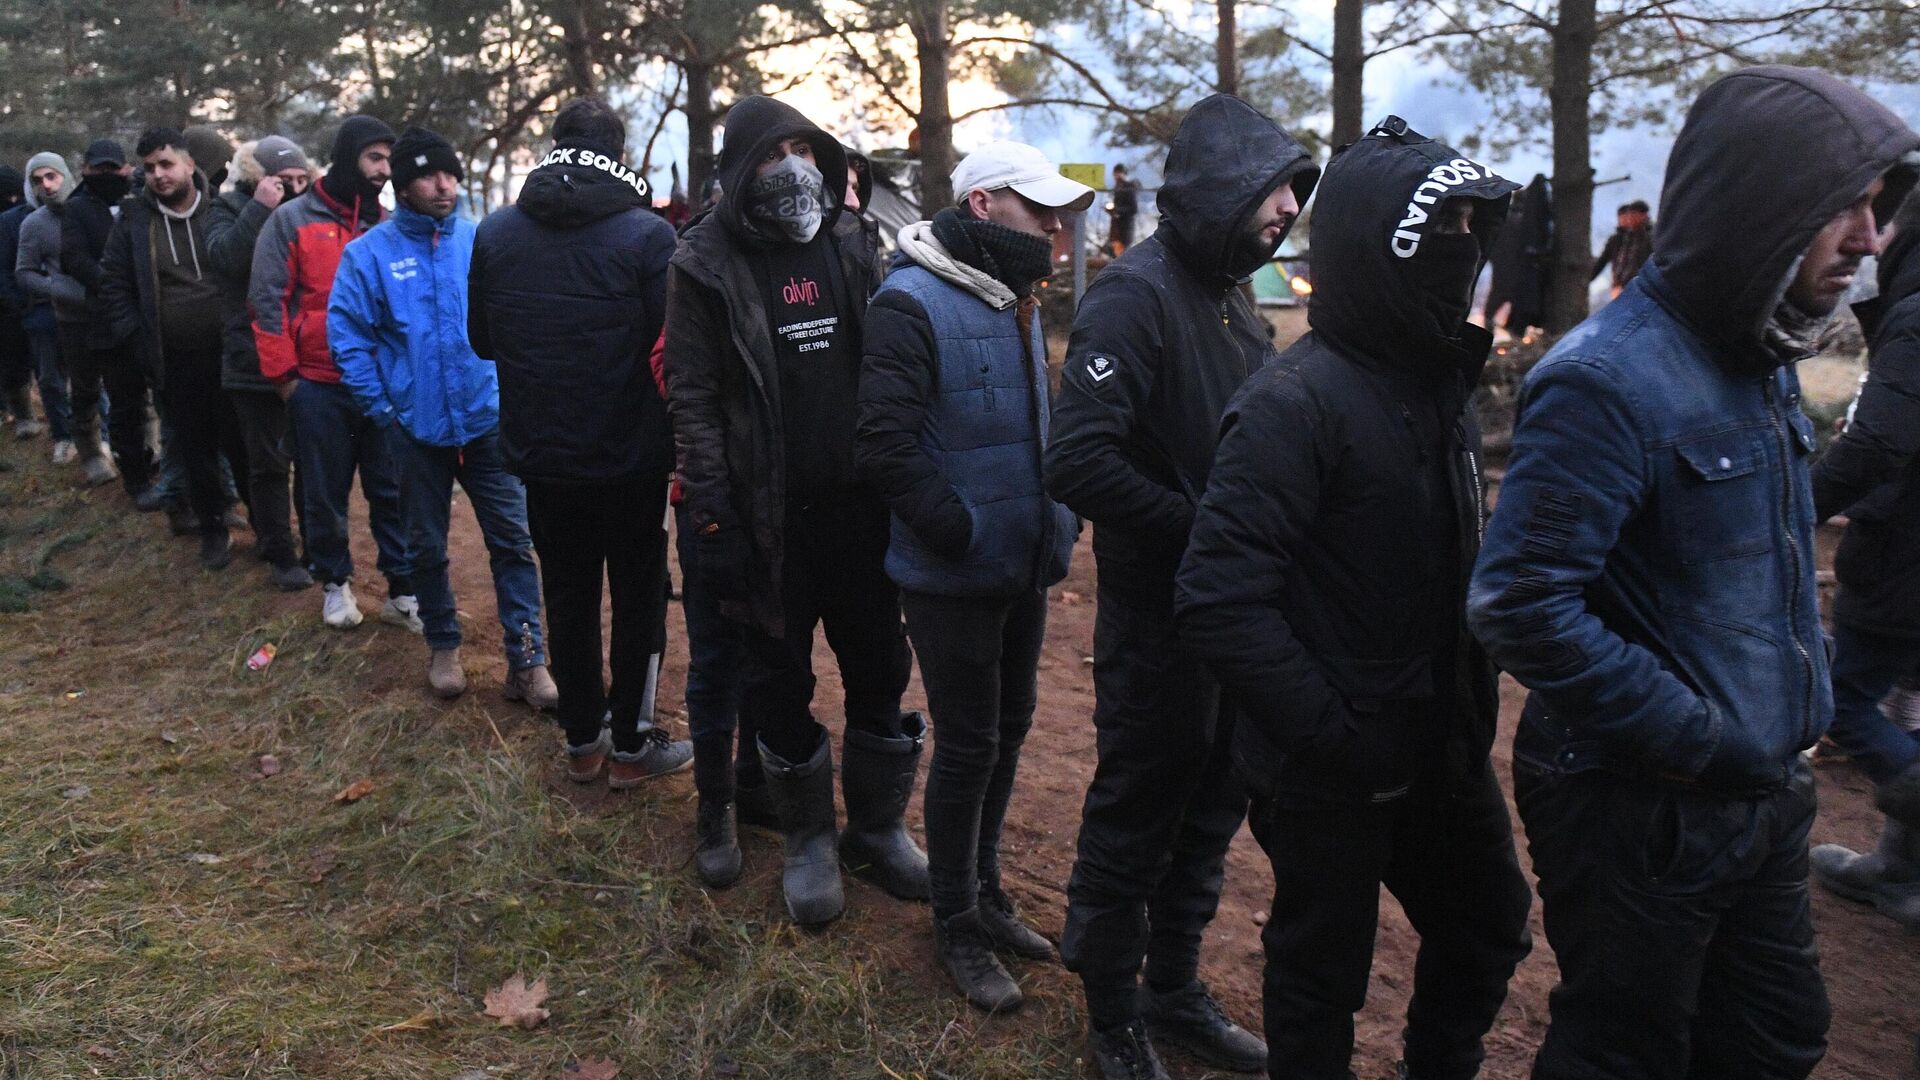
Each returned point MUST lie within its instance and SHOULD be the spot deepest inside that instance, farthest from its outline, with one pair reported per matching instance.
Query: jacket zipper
(1793, 548)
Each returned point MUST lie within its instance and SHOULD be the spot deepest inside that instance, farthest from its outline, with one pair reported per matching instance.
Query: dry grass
(165, 911)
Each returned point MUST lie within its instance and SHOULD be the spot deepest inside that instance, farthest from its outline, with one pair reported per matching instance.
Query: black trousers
(268, 442)
(979, 661)
(205, 428)
(832, 577)
(1682, 925)
(1446, 853)
(118, 372)
(579, 531)
(1158, 817)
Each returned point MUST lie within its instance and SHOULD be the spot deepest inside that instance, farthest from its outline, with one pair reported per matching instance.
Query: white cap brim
(1056, 191)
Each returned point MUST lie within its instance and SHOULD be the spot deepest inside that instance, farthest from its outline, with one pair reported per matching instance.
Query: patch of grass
(169, 912)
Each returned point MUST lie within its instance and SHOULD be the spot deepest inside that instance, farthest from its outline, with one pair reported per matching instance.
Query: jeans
(1158, 817)
(263, 430)
(206, 430)
(41, 363)
(331, 441)
(170, 469)
(979, 661)
(116, 371)
(499, 503)
(832, 577)
(1446, 853)
(1681, 922)
(579, 531)
(716, 652)
(1866, 666)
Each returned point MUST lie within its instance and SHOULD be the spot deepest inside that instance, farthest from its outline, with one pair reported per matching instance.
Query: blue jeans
(716, 649)
(43, 351)
(170, 473)
(331, 441)
(499, 503)
(1865, 668)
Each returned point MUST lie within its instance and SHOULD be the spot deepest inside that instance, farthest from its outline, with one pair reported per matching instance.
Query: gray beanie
(275, 153)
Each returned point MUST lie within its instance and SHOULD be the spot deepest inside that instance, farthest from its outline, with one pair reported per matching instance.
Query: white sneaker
(65, 453)
(1903, 708)
(27, 429)
(338, 608)
(403, 611)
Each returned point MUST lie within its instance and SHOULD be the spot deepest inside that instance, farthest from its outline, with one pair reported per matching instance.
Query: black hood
(577, 184)
(752, 127)
(13, 187)
(865, 191)
(1368, 227)
(1767, 157)
(1225, 160)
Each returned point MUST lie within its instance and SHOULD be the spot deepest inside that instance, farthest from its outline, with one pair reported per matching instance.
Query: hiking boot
(1126, 1053)
(216, 550)
(658, 755)
(1191, 1019)
(586, 763)
(1005, 929)
(64, 452)
(1887, 877)
(290, 577)
(338, 608)
(966, 951)
(876, 780)
(27, 429)
(444, 674)
(532, 685)
(403, 611)
(716, 844)
(150, 499)
(182, 521)
(803, 796)
(752, 805)
(99, 471)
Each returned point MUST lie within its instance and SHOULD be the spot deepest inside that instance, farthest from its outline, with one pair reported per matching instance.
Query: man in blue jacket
(397, 325)
(1649, 576)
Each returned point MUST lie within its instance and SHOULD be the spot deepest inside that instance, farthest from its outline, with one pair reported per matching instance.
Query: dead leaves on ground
(355, 791)
(515, 1004)
(591, 1069)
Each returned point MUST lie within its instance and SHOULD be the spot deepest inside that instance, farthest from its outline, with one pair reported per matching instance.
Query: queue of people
(1303, 601)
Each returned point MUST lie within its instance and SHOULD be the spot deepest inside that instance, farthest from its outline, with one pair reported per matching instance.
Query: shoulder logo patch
(1100, 368)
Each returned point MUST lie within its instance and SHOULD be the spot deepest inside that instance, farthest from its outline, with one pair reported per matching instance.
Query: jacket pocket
(1726, 509)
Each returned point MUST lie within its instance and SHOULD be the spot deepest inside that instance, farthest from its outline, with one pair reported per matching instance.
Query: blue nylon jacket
(397, 325)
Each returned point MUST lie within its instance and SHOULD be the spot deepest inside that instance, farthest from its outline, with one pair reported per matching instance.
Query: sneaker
(965, 949)
(445, 677)
(404, 612)
(586, 763)
(291, 577)
(657, 756)
(338, 608)
(235, 519)
(64, 452)
(150, 500)
(27, 429)
(216, 550)
(1191, 1018)
(99, 471)
(1005, 928)
(532, 685)
(1126, 1053)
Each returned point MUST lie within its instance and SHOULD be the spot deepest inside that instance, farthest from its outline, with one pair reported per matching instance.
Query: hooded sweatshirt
(1161, 341)
(37, 262)
(1325, 583)
(159, 286)
(567, 295)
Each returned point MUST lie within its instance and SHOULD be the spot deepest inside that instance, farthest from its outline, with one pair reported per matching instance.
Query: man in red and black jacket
(293, 266)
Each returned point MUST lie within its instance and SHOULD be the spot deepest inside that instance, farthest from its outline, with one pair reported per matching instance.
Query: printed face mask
(788, 201)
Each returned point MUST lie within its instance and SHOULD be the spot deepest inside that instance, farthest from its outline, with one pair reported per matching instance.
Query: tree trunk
(1349, 69)
(699, 110)
(934, 45)
(1572, 101)
(578, 44)
(1226, 47)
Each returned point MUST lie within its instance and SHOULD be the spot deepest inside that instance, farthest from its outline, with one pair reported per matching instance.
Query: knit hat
(211, 151)
(418, 152)
(274, 153)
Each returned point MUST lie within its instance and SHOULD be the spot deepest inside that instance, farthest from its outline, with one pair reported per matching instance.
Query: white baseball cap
(1024, 169)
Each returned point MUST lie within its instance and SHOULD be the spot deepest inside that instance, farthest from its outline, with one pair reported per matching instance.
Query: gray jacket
(37, 267)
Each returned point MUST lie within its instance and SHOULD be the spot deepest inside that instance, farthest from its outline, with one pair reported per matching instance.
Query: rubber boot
(1888, 877)
(876, 780)
(803, 797)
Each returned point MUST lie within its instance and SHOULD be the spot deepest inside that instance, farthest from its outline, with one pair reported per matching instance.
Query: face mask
(110, 187)
(788, 201)
(1444, 273)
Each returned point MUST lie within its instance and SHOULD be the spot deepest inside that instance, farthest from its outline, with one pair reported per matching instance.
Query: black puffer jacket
(722, 376)
(85, 221)
(1161, 341)
(567, 294)
(230, 241)
(1872, 471)
(1326, 580)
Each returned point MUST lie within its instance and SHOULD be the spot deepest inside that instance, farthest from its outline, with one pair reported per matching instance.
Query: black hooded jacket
(723, 387)
(1162, 340)
(1872, 471)
(567, 294)
(85, 220)
(1326, 580)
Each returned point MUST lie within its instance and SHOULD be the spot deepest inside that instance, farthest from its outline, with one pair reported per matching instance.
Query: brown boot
(444, 674)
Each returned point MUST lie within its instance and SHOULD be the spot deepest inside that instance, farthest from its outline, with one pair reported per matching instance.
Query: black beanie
(418, 152)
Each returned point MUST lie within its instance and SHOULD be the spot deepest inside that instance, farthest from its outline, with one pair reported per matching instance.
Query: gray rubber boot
(803, 797)
(876, 780)
(1888, 877)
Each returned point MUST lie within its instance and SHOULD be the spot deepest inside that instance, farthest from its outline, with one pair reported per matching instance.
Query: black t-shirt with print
(819, 361)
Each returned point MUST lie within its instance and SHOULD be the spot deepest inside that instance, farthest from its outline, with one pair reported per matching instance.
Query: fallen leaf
(205, 858)
(355, 791)
(270, 766)
(1259, 918)
(77, 791)
(320, 864)
(1069, 597)
(104, 1053)
(420, 1021)
(75, 695)
(515, 1004)
(169, 738)
(591, 1069)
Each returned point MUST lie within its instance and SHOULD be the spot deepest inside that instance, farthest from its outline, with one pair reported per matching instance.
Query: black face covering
(110, 188)
(1444, 271)
(1015, 259)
